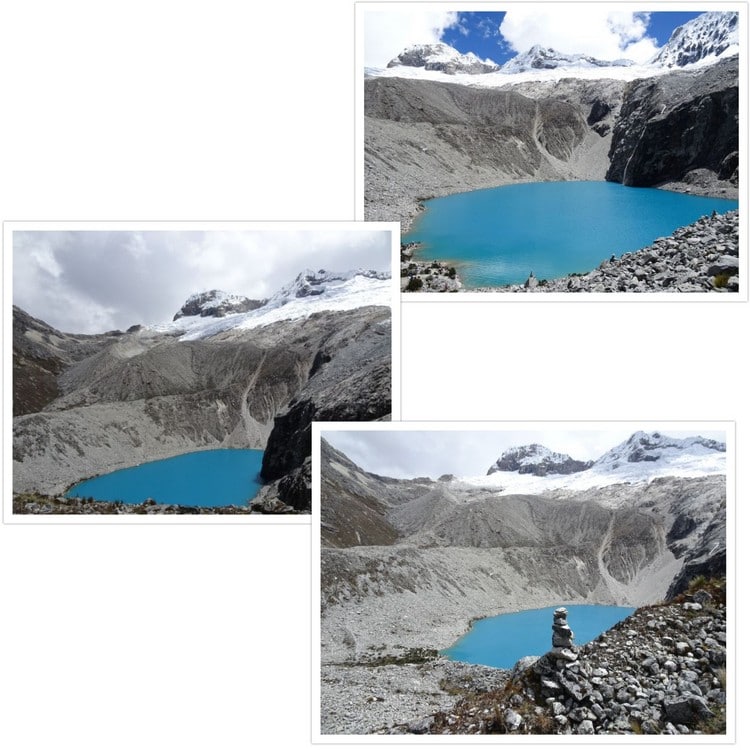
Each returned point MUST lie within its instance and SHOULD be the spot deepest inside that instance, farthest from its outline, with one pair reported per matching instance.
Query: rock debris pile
(426, 276)
(660, 671)
(701, 257)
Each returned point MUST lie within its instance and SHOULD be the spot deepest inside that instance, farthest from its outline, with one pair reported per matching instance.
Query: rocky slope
(407, 564)
(425, 138)
(660, 671)
(121, 399)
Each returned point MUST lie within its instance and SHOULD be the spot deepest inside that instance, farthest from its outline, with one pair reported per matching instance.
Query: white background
(118, 636)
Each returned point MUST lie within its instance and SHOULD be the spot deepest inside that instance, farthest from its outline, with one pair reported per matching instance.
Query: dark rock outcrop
(351, 383)
(676, 123)
(217, 304)
(537, 460)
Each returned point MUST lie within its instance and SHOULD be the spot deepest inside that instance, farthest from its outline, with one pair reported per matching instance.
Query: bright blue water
(501, 641)
(205, 479)
(498, 236)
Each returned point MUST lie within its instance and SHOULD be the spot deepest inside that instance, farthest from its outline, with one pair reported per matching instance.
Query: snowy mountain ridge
(546, 58)
(641, 458)
(703, 41)
(444, 58)
(310, 292)
(706, 38)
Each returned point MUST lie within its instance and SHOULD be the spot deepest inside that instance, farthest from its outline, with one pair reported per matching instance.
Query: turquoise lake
(501, 641)
(499, 235)
(205, 479)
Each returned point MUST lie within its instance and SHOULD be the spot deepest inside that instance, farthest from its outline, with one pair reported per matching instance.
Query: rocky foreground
(33, 503)
(660, 671)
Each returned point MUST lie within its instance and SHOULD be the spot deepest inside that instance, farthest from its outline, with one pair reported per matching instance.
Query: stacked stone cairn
(562, 638)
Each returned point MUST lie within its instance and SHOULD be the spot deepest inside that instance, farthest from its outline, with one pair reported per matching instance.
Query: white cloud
(388, 33)
(91, 281)
(594, 30)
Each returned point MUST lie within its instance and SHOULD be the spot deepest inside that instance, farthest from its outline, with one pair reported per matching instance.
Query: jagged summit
(443, 58)
(216, 304)
(546, 58)
(537, 460)
(316, 283)
(706, 38)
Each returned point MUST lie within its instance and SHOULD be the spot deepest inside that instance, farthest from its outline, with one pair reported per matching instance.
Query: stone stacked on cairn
(562, 636)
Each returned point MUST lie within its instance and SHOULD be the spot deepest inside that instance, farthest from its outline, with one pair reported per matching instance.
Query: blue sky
(480, 33)
(605, 31)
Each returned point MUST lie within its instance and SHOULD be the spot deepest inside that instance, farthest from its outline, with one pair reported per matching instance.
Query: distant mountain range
(642, 457)
(706, 39)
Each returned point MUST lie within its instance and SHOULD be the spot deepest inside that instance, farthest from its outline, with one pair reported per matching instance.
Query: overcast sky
(401, 452)
(607, 32)
(93, 281)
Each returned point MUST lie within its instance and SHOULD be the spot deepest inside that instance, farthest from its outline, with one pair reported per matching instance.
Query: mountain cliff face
(677, 123)
(119, 399)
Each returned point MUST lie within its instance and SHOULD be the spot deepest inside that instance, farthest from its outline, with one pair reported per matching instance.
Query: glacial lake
(205, 479)
(499, 235)
(501, 641)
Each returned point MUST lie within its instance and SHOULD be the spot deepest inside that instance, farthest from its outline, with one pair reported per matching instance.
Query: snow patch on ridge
(309, 293)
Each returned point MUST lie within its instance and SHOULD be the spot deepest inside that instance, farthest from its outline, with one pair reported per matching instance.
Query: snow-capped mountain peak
(216, 303)
(706, 38)
(444, 58)
(537, 460)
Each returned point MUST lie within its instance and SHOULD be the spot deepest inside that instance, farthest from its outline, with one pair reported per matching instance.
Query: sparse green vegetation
(721, 280)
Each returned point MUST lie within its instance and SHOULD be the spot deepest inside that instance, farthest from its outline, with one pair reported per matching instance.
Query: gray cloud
(90, 281)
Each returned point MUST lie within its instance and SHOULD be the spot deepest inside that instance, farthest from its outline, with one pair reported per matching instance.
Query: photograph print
(558, 147)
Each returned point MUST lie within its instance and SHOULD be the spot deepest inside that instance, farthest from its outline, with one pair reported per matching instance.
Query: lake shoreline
(658, 267)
